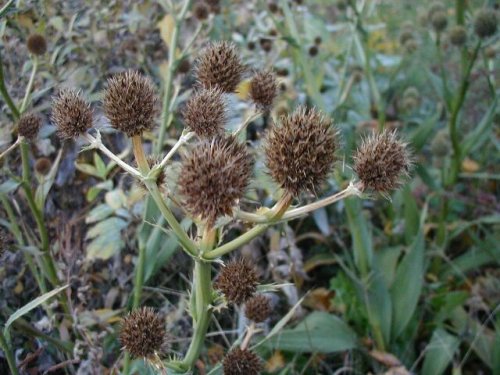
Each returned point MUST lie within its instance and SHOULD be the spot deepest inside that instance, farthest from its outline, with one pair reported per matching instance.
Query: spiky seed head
(273, 7)
(263, 89)
(313, 51)
(214, 5)
(205, 112)
(405, 36)
(439, 21)
(382, 162)
(300, 151)
(143, 333)
(241, 362)
(237, 281)
(485, 22)
(251, 45)
(435, 8)
(29, 125)
(131, 103)
(411, 46)
(258, 308)
(219, 65)
(266, 44)
(43, 165)
(458, 35)
(201, 11)
(214, 177)
(71, 114)
(412, 92)
(184, 66)
(318, 40)
(441, 144)
(37, 44)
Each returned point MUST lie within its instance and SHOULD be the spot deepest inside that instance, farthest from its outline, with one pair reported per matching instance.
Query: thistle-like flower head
(258, 308)
(263, 89)
(37, 44)
(237, 281)
(214, 177)
(205, 112)
(485, 22)
(71, 114)
(242, 362)
(300, 151)
(131, 103)
(29, 125)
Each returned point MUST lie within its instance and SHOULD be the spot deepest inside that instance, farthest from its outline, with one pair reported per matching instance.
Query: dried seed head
(441, 144)
(184, 66)
(43, 165)
(435, 8)
(263, 89)
(458, 35)
(300, 152)
(258, 308)
(318, 40)
(214, 5)
(201, 11)
(205, 112)
(382, 161)
(439, 21)
(485, 22)
(36, 44)
(214, 177)
(130, 103)
(29, 125)
(219, 65)
(238, 281)
(405, 36)
(411, 46)
(71, 114)
(313, 50)
(242, 362)
(266, 44)
(342, 4)
(273, 7)
(143, 333)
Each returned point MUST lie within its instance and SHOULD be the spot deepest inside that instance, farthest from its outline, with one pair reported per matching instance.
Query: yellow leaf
(166, 26)
(243, 89)
(276, 362)
(470, 166)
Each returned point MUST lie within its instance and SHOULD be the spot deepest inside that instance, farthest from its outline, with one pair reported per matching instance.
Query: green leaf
(100, 166)
(318, 332)
(407, 286)
(361, 235)
(31, 305)
(439, 352)
(87, 169)
(411, 215)
(105, 246)
(98, 213)
(9, 186)
(476, 138)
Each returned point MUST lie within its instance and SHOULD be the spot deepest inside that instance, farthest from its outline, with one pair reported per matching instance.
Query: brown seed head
(29, 125)
(71, 114)
(458, 35)
(439, 21)
(258, 308)
(130, 103)
(405, 36)
(214, 5)
(485, 22)
(263, 89)
(214, 177)
(184, 66)
(300, 152)
(382, 161)
(205, 112)
(143, 333)
(242, 362)
(266, 44)
(201, 11)
(434, 8)
(43, 165)
(36, 44)
(313, 50)
(238, 281)
(219, 65)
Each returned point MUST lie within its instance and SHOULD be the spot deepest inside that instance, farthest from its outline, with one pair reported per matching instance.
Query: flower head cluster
(71, 114)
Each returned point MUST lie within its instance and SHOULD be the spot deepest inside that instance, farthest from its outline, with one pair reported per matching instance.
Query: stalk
(5, 93)
(8, 354)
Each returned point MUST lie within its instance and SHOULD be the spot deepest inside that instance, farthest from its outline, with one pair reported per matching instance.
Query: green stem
(172, 65)
(139, 277)
(30, 85)
(5, 93)
(8, 354)
(453, 123)
(446, 91)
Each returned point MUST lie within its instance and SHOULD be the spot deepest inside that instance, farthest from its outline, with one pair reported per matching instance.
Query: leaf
(407, 286)
(439, 352)
(104, 247)
(98, 213)
(318, 332)
(105, 227)
(31, 305)
(9, 186)
(476, 138)
(43, 189)
(87, 169)
(100, 166)
(243, 89)
(361, 236)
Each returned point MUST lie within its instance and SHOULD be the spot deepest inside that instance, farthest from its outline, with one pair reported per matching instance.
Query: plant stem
(184, 138)
(11, 147)
(5, 93)
(172, 65)
(30, 85)
(8, 354)
(139, 277)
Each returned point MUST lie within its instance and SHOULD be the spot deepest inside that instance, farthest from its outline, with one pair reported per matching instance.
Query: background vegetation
(425, 299)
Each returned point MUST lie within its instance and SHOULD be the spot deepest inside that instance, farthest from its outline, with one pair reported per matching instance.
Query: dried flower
(214, 177)
(242, 362)
(201, 11)
(435, 8)
(258, 308)
(238, 281)
(214, 5)
(43, 166)
(485, 22)
(411, 46)
(300, 152)
(143, 333)
(266, 44)
(458, 35)
(405, 36)
(130, 103)
(184, 66)
(263, 89)
(71, 114)
(205, 112)
(313, 51)
(219, 65)
(382, 161)
(439, 21)
(37, 44)
(318, 40)
(29, 125)
(273, 7)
